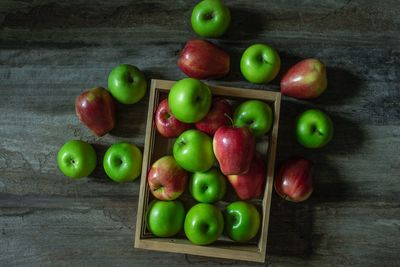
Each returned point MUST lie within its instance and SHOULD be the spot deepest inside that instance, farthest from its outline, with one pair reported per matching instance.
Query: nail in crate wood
(157, 146)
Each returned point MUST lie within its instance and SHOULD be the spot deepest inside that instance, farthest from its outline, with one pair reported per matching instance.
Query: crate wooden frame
(175, 245)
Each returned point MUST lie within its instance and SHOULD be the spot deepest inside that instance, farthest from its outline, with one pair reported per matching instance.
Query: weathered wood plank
(355, 176)
(90, 230)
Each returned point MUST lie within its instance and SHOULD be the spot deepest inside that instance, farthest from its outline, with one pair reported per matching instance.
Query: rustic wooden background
(50, 51)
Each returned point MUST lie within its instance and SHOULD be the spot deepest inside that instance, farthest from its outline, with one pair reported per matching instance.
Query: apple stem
(182, 143)
(230, 119)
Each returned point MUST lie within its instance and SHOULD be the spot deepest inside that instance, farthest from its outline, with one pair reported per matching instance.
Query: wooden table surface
(50, 51)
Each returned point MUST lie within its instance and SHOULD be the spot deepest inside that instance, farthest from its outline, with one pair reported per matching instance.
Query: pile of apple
(260, 64)
(213, 144)
(231, 142)
(95, 108)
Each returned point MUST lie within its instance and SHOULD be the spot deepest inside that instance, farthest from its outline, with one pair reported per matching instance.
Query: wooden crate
(157, 146)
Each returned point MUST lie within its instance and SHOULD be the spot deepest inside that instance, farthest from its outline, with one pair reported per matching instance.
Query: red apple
(96, 109)
(166, 123)
(294, 179)
(167, 180)
(201, 59)
(305, 80)
(234, 149)
(250, 184)
(219, 115)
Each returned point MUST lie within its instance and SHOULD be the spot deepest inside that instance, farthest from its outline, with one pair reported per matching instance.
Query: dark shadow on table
(99, 175)
(290, 228)
(329, 184)
(342, 86)
(245, 24)
(130, 119)
(347, 139)
(287, 142)
(287, 61)
(234, 74)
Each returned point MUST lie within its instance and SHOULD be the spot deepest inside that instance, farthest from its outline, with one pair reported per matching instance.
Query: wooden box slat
(157, 146)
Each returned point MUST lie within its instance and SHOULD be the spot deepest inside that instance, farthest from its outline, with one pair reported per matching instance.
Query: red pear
(96, 109)
(250, 184)
(305, 80)
(201, 59)
(294, 179)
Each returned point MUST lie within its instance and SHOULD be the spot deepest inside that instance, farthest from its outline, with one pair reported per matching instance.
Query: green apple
(189, 100)
(193, 151)
(123, 162)
(165, 218)
(242, 221)
(210, 18)
(127, 84)
(76, 159)
(209, 186)
(314, 128)
(255, 114)
(204, 224)
(260, 63)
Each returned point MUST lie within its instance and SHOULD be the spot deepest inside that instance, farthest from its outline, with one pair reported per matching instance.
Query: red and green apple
(166, 179)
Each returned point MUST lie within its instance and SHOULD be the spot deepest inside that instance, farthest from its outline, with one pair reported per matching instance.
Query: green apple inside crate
(157, 146)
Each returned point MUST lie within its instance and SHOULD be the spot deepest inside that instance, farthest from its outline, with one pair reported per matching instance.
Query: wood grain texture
(51, 51)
